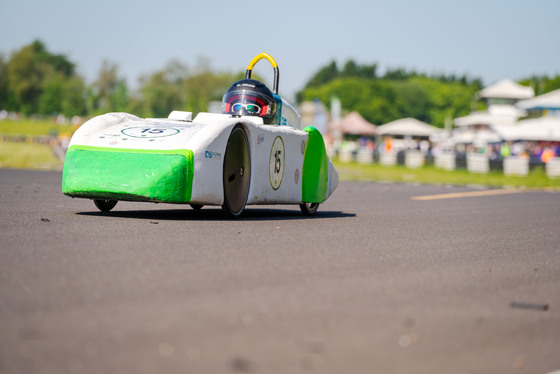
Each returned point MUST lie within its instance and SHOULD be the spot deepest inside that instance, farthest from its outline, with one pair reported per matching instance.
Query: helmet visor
(246, 103)
(250, 108)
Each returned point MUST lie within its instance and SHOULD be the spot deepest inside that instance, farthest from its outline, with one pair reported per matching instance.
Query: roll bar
(274, 66)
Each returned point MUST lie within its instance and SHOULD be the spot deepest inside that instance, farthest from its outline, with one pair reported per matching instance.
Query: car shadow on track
(216, 214)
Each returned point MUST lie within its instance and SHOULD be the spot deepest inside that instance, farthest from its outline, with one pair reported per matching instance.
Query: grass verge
(28, 156)
(430, 175)
(35, 128)
(39, 156)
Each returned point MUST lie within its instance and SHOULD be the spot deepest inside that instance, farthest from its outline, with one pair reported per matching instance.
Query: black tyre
(105, 205)
(196, 206)
(237, 173)
(309, 209)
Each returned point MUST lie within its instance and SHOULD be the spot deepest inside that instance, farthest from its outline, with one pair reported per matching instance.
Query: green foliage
(324, 75)
(542, 84)
(35, 81)
(162, 92)
(4, 88)
(371, 98)
(331, 72)
(34, 128)
(28, 156)
(175, 88)
(444, 99)
(109, 93)
(354, 171)
(398, 94)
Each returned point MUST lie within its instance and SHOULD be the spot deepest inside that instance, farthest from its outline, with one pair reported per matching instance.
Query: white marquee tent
(354, 124)
(496, 115)
(472, 137)
(535, 129)
(408, 127)
(507, 89)
(550, 100)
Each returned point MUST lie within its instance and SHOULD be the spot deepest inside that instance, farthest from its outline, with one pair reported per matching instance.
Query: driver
(249, 97)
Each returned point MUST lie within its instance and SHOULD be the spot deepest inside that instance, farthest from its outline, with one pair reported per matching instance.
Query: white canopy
(536, 129)
(550, 100)
(507, 89)
(354, 124)
(407, 127)
(487, 118)
(470, 137)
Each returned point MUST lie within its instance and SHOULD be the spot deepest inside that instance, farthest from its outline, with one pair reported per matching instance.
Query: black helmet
(250, 97)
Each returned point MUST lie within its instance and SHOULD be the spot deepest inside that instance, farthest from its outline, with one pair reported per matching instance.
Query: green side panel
(128, 174)
(315, 175)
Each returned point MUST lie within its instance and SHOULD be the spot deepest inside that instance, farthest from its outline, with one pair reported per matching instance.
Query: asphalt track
(386, 278)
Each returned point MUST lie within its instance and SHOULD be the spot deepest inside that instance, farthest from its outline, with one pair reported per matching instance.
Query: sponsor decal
(150, 132)
(302, 146)
(276, 163)
(260, 139)
(296, 176)
(212, 154)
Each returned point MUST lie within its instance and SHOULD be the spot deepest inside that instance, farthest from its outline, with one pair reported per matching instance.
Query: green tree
(25, 79)
(30, 71)
(398, 74)
(324, 75)
(109, 93)
(437, 100)
(413, 99)
(398, 94)
(162, 91)
(542, 84)
(352, 70)
(205, 86)
(371, 98)
(52, 92)
(63, 96)
(176, 87)
(4, 88)
(73, 100)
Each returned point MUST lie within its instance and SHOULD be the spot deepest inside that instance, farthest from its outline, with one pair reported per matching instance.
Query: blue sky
(486, 39)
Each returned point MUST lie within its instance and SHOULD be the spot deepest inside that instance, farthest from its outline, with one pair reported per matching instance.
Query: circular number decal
(149, 132)
(276, 164)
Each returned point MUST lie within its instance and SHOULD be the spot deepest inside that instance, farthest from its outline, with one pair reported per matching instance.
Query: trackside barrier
(514, 165)
(445, 161)
(346, 155)
(414, 159)
(365, 156)
(388, 159)
(478, 163)
(473, 162)
(553, 168)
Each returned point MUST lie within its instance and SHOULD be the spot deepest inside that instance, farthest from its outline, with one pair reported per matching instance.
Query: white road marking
(458, 195)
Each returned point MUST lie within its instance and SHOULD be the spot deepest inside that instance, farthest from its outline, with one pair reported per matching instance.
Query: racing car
(254, 152)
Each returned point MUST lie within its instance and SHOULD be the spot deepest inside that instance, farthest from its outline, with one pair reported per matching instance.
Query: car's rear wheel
(105, 205)
(236, 173)
(196, 206)
(309, 209)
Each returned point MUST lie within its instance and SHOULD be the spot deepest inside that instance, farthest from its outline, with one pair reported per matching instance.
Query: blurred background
(392, 83)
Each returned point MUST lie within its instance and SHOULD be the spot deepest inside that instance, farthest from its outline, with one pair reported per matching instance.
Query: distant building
(547, 105)
(505, 92)
(482, 127)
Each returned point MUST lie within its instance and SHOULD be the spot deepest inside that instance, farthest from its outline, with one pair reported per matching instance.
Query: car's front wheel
(105, 205)
(236, 173)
